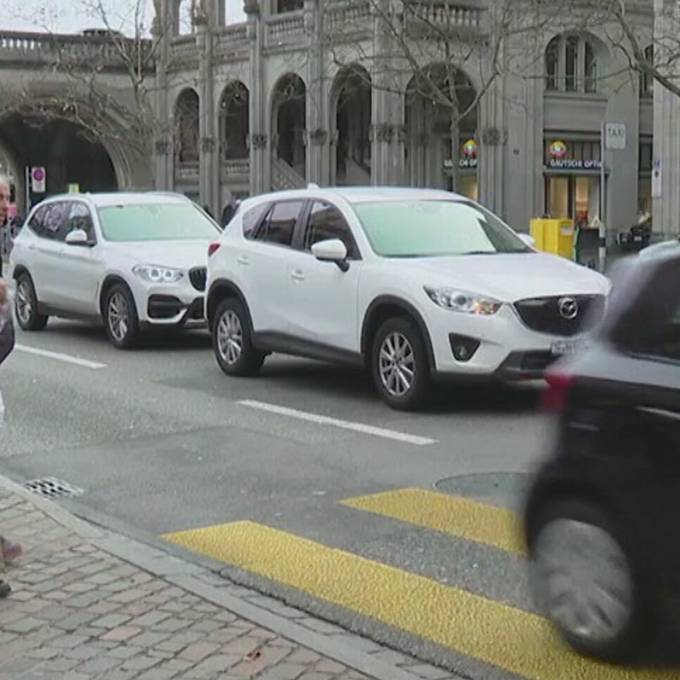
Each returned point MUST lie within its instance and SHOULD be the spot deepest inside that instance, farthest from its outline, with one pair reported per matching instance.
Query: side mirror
(77, 237)
(332, 250)
(528, 240)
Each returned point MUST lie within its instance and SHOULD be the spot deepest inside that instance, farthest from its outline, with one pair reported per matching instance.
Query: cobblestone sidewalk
(78, 612)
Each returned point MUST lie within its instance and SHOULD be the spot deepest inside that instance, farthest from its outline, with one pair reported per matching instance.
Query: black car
(602, 517)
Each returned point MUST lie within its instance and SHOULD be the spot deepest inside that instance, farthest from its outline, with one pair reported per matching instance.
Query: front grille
(544, 315)
(198, 276)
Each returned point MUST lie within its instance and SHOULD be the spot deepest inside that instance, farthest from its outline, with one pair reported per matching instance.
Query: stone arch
(438, 154)
(186, 118)
(234, 121)
(350, 121)
(289, 122)
(575, 62)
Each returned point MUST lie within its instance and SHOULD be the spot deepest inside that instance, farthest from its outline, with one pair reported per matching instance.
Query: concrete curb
(187, 575)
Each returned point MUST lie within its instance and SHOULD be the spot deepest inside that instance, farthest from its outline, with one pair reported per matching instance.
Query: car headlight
(462, 301)
(155, 274)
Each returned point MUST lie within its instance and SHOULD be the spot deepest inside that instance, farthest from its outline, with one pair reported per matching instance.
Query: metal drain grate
(50, 487)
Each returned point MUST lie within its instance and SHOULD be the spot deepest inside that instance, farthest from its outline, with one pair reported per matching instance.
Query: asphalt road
(159, 440)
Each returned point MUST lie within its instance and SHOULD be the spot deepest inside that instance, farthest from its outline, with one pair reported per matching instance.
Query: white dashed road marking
(58, 356)
(343, 424)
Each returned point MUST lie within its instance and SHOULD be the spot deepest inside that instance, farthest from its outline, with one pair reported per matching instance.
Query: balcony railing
(348, 16)
(284, 29)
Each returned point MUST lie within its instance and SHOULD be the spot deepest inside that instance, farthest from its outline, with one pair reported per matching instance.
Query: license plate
(566, 347)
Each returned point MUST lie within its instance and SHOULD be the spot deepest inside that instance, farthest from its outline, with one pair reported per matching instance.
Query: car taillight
(213, 248)
(555, 398)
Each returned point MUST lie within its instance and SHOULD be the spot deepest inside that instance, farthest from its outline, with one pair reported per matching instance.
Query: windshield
(423, 228)
(156, 222)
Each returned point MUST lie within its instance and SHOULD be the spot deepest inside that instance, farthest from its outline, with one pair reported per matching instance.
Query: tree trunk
(454, 131)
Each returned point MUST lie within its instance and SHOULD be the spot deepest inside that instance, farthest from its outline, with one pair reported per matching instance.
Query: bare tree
(439, 47)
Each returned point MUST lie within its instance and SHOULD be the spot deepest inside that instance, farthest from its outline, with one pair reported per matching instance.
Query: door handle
(297, 275)
(243, 259)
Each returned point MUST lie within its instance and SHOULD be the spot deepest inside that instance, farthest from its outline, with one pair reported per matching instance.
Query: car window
(55, 222)
(37, 220)
(279, 225)
(81, 218)
(650, 325)
(130, 222)
(327, 222)
(435, 228)
(252, 218)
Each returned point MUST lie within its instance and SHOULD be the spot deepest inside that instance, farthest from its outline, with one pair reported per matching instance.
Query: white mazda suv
(411, 284)
(134, 260)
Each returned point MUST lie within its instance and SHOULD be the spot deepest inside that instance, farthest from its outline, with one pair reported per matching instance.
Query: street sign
(38, 178)
(615, 136)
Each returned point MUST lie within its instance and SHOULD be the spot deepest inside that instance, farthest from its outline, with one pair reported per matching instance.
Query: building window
(283, 6)
(571, 65)
(646, 78)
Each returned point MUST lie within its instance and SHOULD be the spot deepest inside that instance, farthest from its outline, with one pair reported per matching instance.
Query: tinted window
(437, 228)
(251, 219)
(55, 222)
(279, 225)
(36, 223)
(327, 222)
(81, 218)
(156, 222)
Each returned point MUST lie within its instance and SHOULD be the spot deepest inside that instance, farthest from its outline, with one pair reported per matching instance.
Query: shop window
(571, 65)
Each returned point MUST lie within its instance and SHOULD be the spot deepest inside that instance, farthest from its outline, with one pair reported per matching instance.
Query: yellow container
(554, 236)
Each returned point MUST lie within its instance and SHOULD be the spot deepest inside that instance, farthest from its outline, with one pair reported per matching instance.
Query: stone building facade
(293, 95)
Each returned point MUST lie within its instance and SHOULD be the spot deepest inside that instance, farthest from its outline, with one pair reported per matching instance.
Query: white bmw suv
(411, 284)
(134, 260)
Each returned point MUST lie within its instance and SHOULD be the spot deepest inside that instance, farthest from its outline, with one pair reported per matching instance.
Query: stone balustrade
(445, 14)
(238, 167)
(49, 48)
(348, 16)
(284, 29)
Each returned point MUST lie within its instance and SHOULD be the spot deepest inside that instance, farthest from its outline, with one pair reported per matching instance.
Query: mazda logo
(568, 308)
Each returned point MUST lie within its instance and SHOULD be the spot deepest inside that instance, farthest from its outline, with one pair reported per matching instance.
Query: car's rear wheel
(26, 305)
(399, 364)
(120, 317)
(585, 580)
(232, 340)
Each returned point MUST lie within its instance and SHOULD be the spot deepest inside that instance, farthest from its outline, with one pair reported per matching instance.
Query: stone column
(318, 137)
(163, 27)
(388, 132)
(260, 158)
(492, 137)
(666, 203)
(209, 153)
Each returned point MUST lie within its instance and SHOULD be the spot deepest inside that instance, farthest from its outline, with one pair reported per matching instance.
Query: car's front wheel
(585, 580)
(399, 364)
(120, 317)
(232, 340)
(26, 305)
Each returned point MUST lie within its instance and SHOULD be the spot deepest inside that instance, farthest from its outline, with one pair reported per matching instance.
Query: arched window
(646, 78)
(186, 127)
(234, 121)
(570, 65)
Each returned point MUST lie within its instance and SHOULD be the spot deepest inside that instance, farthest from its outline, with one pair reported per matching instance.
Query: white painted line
(343, 424)
(66, 358)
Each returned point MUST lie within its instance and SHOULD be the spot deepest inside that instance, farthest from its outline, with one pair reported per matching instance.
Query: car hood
(511, 277)
(176, 254)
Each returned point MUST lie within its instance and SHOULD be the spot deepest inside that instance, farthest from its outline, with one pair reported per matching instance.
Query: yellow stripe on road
(452, 515)
(517, 641)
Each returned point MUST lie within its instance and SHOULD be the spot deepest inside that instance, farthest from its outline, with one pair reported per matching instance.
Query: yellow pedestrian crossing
(461, 517)
(493, 632)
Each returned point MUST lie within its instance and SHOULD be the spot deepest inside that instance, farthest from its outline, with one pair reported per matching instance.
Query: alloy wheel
(230, 337)
(24, 302)
(584, 579)
(396, 364)
(119, 317)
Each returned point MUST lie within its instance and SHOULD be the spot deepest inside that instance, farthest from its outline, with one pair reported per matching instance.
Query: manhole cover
(505, 489)
(50, 487)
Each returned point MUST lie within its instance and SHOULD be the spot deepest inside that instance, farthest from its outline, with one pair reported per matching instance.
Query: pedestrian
(228, 213)
(4, 209)
(207, 211)
(9, 551)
